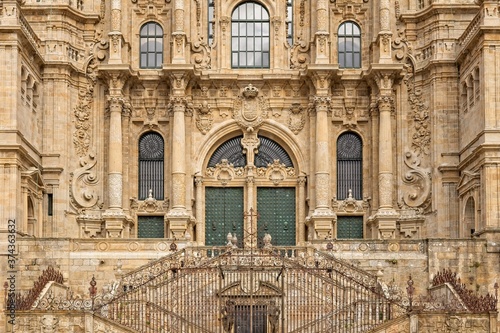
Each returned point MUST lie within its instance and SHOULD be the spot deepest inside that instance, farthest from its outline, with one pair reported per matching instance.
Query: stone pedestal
(116, 224)
(178, 222)
(385, 223)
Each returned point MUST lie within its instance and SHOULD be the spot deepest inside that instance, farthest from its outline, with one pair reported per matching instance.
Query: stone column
(200, 225)
(179, 35)
(386, 215)
(301, 182)
(322, 35)
(322, 216)
(178, 216)
(114, 217)
(115, 35)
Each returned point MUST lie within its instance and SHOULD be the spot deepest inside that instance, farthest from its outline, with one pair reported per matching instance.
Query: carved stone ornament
(417, 189)
(224, 172)
(204, 117)
(276, 172)
(83, 181)
(349, 204)
(150, 205)
(249, 109)
(296, 118)
(200, 57)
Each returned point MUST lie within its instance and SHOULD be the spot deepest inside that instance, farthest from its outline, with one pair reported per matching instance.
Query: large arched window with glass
(250, 36)
(349, 45)
(151, 166)
(349, 166)
(151, 40)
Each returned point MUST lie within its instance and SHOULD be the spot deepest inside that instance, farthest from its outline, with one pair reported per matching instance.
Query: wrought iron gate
(249, 291)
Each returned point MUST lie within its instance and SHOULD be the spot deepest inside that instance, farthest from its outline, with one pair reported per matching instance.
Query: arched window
(250, 36)
(469, 218)
(349, 166)
(151, 36)
(211, 21)
(349, 45)
(151, 151)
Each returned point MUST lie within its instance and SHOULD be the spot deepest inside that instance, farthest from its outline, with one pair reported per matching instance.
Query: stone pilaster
(322, 35)
(178, 216)
(115, 35)
(386, 216)
(385, 35)
(200, 225)
(301, 182)
(322, 217)
(179, 35)
(117, 225)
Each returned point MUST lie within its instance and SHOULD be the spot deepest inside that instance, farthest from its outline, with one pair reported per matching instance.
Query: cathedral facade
(352, 130)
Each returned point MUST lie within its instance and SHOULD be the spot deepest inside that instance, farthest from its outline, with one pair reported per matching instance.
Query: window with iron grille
(151, 166)
(151, 41)
(250, 36)
(349, 166)
(349, 45)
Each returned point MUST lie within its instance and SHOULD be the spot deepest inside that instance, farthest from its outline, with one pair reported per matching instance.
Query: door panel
(223, 214)
(276, 209)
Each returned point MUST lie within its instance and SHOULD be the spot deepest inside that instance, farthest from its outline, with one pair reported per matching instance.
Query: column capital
(385, 103)
(320, 103)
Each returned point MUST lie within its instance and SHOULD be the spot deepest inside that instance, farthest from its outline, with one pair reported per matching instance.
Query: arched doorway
(250, 188)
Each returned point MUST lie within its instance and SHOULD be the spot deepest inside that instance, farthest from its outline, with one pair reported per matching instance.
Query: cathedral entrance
(264, 182)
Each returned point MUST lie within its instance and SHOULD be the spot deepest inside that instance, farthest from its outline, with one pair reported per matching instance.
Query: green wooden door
(223, 214)
(276, 209)
(349, 227)
(150, 227)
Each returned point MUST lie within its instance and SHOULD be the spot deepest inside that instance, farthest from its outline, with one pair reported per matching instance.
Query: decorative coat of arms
(250, 110)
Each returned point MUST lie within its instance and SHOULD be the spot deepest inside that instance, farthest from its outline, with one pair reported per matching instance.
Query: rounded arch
(270, 6)
(270, 128)
(469, 224)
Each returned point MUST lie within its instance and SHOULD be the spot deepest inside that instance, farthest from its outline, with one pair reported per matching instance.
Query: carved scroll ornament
(418, 183)
(83, 182)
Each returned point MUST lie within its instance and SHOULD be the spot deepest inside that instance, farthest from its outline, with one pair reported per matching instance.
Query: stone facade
(82, 83)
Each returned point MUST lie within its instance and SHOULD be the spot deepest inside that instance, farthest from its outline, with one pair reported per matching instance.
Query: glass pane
(258, 29)
(151, 29)
(243, 44)
(357, 60)
(342, 30)
(250, 44)
(234, 29)
(265, 60)
(289, 14)
(258, 44)
(341, 60)
(234, 61)
(265, 44)
(348, 45)
(144, 59)
(144, 45)
(250, 12)
(159, 59)
(250, 61)
(159, 30)
(265, 29)
(243, 59)
(151, 45)
(250, 30)
(210, 13)
(348, 29)
(258, 59)
(234, 42)
(144, 30)
(356, 30)
(265, 15)
(258, 14)
(348, 61)
(210, 30)
(151, 60)
(243, 29)
(356, 46)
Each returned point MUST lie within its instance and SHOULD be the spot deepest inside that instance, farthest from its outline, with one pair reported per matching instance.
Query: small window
(289, 22)
(151, 45)
(211, 21)
(151, 151)
(250, 36)
(349, 166)
(349, 45)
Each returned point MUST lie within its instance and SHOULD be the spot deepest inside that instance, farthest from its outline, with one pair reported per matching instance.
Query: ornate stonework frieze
(204, 117)
(349, 204)
(417, 189)
(276, 172)
(150, 205)
(296, 118)
(249, 109)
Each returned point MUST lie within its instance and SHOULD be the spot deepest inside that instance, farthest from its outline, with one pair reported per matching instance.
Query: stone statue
(267, 241)
(274, 315)
(227, 316)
